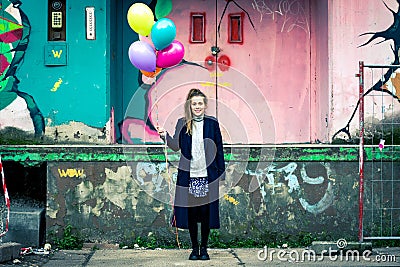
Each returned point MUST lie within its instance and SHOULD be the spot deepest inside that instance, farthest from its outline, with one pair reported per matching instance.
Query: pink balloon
(171, 55)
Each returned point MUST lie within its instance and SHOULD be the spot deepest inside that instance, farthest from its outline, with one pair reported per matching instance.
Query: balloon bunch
(156, 47)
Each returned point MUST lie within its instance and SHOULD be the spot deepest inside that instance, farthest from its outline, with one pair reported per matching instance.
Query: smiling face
(197, 106)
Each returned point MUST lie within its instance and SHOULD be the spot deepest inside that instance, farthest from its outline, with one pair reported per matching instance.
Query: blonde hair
(188, 111)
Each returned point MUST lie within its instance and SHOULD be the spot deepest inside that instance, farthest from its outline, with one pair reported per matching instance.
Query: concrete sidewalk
(219, 257)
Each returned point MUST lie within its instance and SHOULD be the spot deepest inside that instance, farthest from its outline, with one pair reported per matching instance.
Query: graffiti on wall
(291, 13)
(57, 85)
(139, 126)
(154, 177)
(311, 184)
(283, 181)
(90, 198)
(56, 53)
(388, 83)
(78, 173)
(17, 109)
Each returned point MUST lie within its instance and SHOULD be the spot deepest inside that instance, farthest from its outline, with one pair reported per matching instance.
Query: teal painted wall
(75, 100)
(83, 94)
(125, 78)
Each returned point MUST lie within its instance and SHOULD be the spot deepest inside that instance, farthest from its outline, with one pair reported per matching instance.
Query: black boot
(195, 254)
(203, 254)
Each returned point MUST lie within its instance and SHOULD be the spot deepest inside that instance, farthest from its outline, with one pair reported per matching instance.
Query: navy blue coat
(215, 169)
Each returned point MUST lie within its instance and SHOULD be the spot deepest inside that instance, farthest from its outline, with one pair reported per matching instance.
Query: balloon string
(166, 162)
(170, 191)
(155, 77)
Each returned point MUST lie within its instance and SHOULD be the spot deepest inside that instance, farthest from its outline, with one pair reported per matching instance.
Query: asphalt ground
(218, 257)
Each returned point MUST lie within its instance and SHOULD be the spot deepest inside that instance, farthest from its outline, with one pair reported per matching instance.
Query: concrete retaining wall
(116, 194)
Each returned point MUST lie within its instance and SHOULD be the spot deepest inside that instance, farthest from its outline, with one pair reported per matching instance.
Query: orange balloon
(151, 74)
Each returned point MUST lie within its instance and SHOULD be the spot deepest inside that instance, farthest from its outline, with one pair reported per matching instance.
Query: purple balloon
(171, 55)
(142, 56)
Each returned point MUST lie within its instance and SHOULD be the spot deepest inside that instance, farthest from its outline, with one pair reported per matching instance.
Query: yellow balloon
(140, 18)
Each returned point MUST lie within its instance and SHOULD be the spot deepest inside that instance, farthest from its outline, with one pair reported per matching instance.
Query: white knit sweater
(198, 167)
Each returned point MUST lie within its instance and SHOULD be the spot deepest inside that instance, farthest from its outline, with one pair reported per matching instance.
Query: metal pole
(361, 152)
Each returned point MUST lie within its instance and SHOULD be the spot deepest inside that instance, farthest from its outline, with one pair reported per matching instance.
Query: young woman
(201, 166)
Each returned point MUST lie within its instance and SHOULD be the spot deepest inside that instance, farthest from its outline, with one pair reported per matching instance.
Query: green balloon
(163, 8)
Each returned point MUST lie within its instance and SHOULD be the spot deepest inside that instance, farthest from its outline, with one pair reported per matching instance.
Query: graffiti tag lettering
(79, 173)
(57, 54)
(292, 12)
(293, 184)
(56, 85)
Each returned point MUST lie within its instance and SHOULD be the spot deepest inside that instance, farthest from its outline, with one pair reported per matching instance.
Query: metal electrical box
(56, 20)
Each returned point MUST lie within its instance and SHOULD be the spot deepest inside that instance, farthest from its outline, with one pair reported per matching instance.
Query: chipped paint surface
(119, 187)
(76, 132)
(32, 155)
(111, 191)
(112, 199)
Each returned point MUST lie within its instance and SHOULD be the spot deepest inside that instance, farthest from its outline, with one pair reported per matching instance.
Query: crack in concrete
(89, 256)
(237, 257)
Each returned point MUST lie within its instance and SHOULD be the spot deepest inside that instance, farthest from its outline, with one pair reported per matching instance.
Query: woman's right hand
(161, 131)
